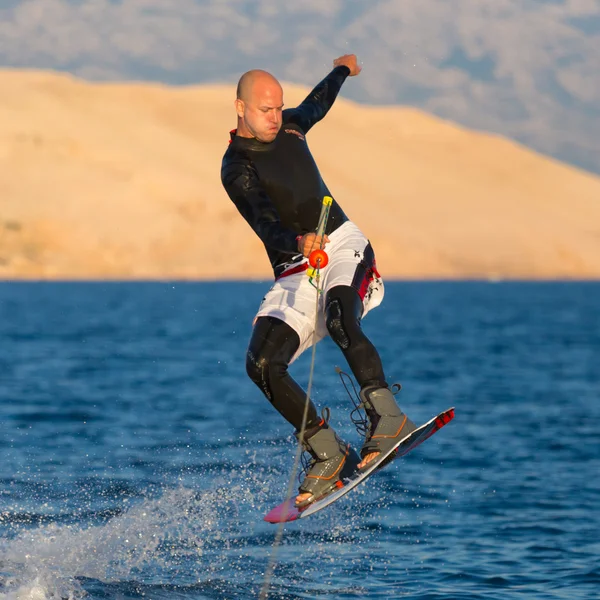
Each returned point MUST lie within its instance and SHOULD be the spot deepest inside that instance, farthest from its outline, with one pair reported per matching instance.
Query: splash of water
(181, 537)
(44, 562)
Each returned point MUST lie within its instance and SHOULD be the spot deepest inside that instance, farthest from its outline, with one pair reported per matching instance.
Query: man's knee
(343, 310)
(334, 320)
(257, 367)
(272, 345)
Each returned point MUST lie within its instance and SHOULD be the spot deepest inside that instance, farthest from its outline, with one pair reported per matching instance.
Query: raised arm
(316, 105)
(243, 186)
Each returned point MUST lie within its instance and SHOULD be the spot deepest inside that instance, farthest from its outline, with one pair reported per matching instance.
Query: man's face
(261, 111)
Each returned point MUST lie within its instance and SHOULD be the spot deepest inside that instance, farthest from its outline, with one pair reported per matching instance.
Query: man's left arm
(317, 104)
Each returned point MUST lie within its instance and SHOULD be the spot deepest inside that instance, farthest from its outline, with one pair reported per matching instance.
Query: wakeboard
(286, 511)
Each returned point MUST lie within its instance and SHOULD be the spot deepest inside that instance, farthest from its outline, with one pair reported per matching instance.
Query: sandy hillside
(122, 181)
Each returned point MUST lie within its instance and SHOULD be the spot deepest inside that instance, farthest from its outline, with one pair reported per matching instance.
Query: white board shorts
(293, 298)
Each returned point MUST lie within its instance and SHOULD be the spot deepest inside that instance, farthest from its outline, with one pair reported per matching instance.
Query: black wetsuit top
(277, 186)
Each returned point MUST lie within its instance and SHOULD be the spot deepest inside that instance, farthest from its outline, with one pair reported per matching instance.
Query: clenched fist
(310, 241)
(348, 60)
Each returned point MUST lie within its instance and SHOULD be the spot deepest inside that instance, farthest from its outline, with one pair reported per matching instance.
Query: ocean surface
(138, 460)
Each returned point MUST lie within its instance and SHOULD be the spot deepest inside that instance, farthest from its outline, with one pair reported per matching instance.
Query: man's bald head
(259, 103)
(256, 78)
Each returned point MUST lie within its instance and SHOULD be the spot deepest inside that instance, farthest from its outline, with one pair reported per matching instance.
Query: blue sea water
(137, 459)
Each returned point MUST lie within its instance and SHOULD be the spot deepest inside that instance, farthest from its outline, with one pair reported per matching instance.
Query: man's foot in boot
(387, 423)
(328, 463)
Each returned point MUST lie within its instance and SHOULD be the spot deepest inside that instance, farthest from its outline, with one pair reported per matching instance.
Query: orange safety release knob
(318, 259)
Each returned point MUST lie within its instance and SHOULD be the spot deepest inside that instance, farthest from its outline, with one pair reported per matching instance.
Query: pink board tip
(284, 512)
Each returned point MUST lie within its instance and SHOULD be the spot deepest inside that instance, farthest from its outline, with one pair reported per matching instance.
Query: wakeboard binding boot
(330, 460)
(387, 424)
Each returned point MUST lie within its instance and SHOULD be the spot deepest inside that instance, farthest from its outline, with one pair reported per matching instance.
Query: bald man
(272, 178)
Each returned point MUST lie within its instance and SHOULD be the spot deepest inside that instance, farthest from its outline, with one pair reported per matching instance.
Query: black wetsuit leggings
(274, 343)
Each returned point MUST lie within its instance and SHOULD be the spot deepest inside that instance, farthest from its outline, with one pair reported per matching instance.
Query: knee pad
(334, 320)
(256, 366)
(272, 346)
(343, 311)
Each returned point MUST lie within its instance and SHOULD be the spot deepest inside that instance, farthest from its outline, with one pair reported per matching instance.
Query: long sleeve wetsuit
(278, 189)
(277, 186)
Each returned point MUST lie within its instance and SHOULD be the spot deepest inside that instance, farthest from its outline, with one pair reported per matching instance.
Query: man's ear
(239, 108)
